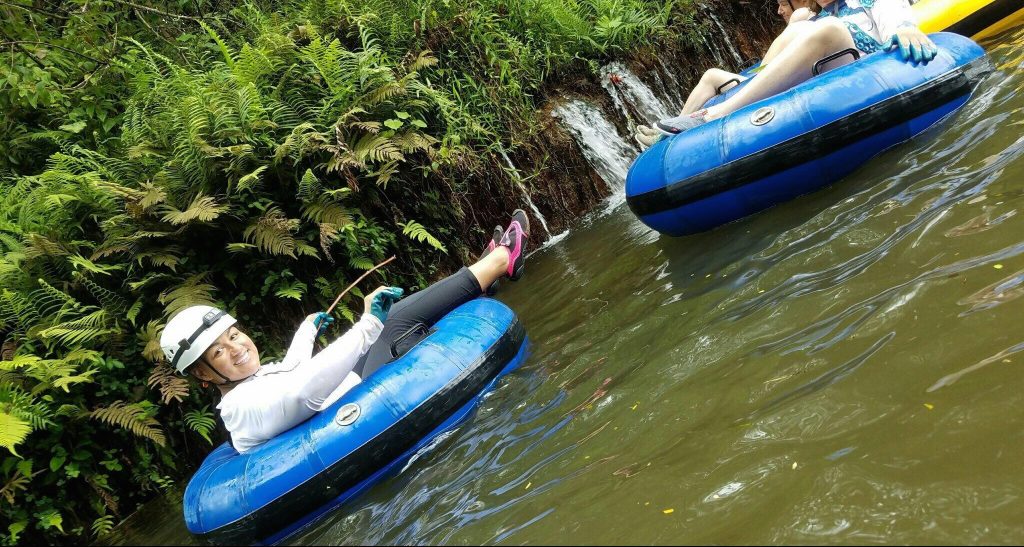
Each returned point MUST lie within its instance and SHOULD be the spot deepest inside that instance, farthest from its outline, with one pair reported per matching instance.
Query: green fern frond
(229, 57)
(81, 331)
(251, 180)
(172, 386)
(323, 211)
(107, 298)
(66, 381)
(48, 301)
(309, 186)
(79, 262)
(130, 417)
(25, 406)
(239, 247)
(202, 421)
(193, 291)
(415, 231)
(424, 60)
(37, 245)
(102, 525)
(272, 233)
(152, 196)
(13, 431)
(203, 209)
(360, 262)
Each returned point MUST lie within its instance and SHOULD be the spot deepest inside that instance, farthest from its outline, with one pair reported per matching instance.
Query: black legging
(425, 307)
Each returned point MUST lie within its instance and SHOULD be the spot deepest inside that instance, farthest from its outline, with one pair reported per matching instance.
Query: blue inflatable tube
(276, 489)
(800, 140)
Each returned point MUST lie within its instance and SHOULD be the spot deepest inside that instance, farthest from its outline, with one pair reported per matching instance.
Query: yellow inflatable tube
(975, 18)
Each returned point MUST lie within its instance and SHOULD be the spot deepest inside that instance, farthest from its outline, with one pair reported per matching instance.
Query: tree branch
(48, 44)
(154, 10)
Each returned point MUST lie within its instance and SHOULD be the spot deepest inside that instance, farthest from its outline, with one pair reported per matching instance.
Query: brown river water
(843, 368)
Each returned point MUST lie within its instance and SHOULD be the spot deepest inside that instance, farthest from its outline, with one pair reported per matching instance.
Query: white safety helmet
(189, 333)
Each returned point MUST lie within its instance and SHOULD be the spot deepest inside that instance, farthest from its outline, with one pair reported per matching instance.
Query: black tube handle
(406, 334)
(833, 57)
(730, 81)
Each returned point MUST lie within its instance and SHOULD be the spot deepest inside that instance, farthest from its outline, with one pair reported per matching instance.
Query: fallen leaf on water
(928, 406)
(794, 465)
(528, 486)
(634, 406)
(998, 266)
(669, 511)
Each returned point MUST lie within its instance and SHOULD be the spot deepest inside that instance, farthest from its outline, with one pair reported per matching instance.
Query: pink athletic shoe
(515, 239)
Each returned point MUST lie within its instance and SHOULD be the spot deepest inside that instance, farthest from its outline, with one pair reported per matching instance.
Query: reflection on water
(843, 368)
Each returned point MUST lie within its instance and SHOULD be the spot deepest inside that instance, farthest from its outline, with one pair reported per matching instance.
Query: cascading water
(606, 151)
(514, 173)
(725, 35)
(714, 51)
(632, 96)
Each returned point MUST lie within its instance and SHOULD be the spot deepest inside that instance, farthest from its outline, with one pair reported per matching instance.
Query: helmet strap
(227, 382)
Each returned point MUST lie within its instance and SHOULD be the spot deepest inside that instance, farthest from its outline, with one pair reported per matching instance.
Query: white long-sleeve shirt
(282, 395)
(872, 23)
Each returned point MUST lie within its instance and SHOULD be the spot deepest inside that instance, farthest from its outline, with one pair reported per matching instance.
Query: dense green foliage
(257, 156)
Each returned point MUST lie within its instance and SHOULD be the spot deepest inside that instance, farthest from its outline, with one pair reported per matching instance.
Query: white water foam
(728, 42)
(606, 151)
(632, 96)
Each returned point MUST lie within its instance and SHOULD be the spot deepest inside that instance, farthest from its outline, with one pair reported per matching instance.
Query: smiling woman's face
(233, 354)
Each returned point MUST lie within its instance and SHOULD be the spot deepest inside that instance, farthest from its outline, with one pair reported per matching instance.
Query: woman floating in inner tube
(259, 402)
(864, 25)
(715, 80)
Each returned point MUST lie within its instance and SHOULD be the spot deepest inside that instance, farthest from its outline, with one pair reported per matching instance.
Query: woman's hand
(913, 44)
(320, 320)
(380, 300)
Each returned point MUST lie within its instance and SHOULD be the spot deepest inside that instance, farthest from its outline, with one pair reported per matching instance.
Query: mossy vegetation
(255, 155)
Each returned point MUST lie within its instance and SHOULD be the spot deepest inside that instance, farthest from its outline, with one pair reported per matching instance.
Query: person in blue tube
(259, 402)
(716, 80)
(865, 25)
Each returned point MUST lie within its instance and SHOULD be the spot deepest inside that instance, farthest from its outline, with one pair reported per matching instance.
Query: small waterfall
(728, 42)
(522, 188)
(604, 148)
(720, 61)
(632, 96)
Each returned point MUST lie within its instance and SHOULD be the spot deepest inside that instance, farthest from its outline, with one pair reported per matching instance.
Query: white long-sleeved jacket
(282, 395)
(872, 23)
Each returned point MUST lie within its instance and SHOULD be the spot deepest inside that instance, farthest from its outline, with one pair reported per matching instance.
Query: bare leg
(783, 40)
(491, 267)
(792, 66)
(707, 88)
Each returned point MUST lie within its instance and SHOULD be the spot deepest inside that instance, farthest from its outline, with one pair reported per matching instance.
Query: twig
(48, 44)
(154, 10)
(356, 282)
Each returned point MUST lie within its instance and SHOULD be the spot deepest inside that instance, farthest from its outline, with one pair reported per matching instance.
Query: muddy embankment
(553, 170)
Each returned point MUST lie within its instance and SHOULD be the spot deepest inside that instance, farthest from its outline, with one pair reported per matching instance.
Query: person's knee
(715, 77)
(830, 30)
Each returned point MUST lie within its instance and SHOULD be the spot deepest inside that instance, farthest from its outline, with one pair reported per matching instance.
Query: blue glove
(321, 321)
(382, 301)
(912, 47)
